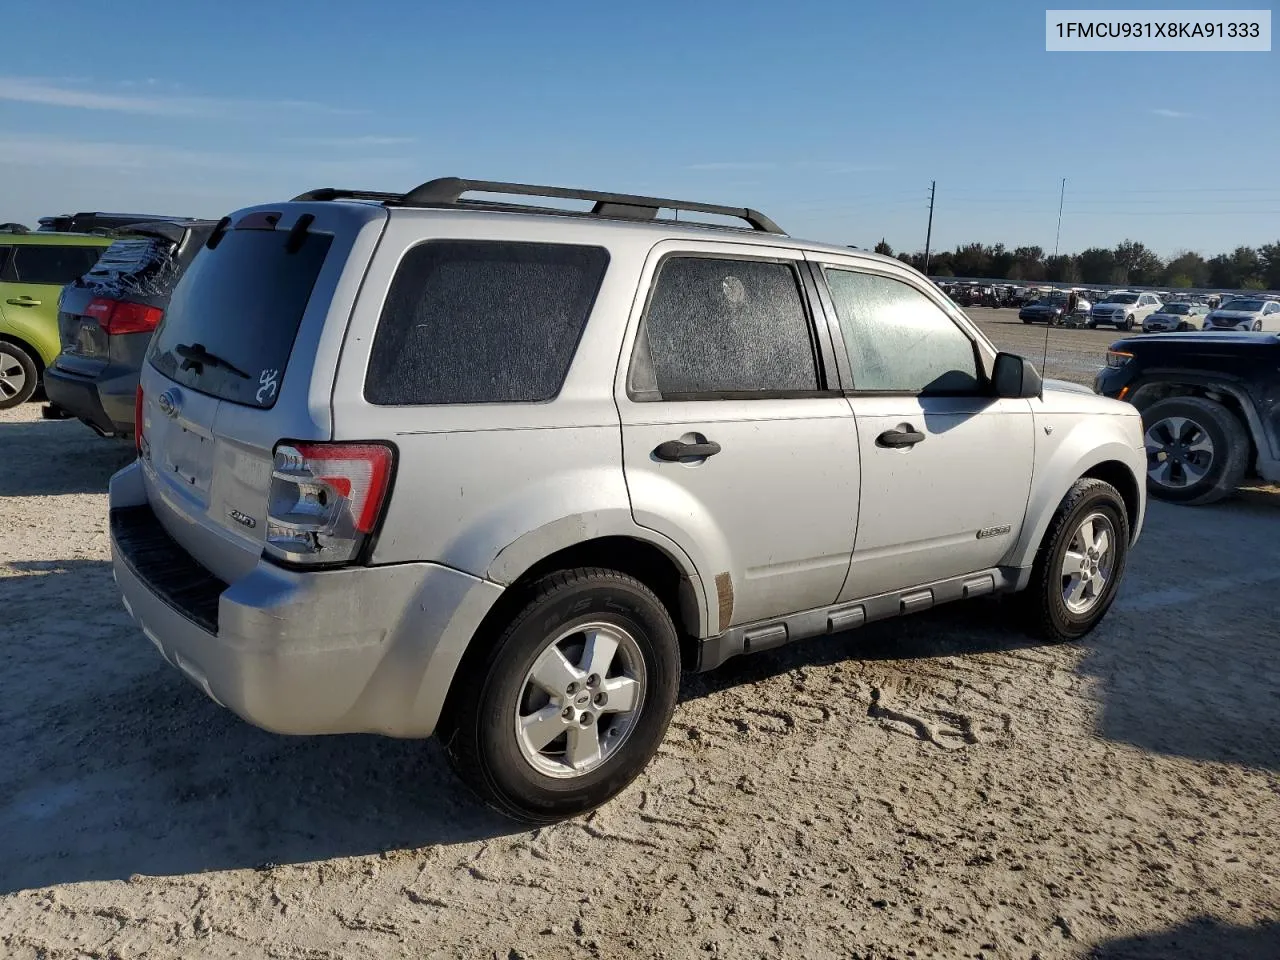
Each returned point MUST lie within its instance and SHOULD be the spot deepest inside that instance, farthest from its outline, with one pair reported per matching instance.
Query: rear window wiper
(196, 357)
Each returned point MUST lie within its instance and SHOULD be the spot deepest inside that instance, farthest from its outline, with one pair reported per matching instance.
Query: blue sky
(830, 117)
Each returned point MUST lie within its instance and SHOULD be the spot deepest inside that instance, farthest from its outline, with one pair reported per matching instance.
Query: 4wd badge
(994, 531)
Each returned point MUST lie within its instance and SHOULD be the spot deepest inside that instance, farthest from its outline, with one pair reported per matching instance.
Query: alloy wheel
(1088, 563)
(580, 700)
(1179, 452)
(13, 378)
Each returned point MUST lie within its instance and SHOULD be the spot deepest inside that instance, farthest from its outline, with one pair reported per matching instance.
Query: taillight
(137, 421)
(326, 498)
(116, 316)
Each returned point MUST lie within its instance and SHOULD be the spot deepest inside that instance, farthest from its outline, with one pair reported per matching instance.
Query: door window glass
(898, 339)
(719, 328)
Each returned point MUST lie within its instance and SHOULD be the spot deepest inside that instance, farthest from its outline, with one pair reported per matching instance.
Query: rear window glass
(46, 263)
(233, 316)
(138, 267)
(482, 322)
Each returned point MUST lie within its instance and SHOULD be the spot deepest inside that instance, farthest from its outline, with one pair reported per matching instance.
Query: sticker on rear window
(267, 379)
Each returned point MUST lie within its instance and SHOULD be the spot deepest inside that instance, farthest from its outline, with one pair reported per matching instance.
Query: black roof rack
(448, 191)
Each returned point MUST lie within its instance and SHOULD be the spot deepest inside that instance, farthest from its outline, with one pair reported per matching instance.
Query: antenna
(928, 235)
(1062, 195)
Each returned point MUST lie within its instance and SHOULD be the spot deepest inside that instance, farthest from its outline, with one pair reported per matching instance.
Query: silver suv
(418, 463)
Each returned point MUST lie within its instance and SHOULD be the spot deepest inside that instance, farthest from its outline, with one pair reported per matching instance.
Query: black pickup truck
(1210, 407)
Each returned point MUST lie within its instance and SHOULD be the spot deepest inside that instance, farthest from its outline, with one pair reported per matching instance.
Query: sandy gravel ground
(935, 787)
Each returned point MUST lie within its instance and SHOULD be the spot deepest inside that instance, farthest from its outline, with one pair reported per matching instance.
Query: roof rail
(332, 193)
(448, 191)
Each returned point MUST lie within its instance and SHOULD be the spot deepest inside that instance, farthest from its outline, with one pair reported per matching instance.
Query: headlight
(1118, 358)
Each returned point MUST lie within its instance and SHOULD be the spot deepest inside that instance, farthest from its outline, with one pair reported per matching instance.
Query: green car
(34, 267)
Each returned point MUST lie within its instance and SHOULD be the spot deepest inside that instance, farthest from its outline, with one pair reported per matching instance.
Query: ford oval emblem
(170, 402)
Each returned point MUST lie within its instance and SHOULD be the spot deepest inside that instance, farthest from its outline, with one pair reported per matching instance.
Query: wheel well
(1152, 393)
(1119, 476)
(647, 563)
(29, 350)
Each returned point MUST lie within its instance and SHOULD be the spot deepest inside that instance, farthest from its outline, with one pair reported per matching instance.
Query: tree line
(1128, 263)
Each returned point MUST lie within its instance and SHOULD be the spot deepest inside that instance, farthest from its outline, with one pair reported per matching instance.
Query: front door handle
(899, 438)
(674, 450)
(23, 302)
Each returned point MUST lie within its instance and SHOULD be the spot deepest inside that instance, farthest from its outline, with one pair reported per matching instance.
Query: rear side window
(900, 341)
(482, 322)
(46, 263)
(241, 302)
(723, 328)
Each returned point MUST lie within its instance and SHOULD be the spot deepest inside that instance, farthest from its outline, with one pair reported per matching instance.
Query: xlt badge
(245, 520)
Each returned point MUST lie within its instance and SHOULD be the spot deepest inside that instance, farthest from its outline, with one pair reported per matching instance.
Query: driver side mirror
(1016, 378)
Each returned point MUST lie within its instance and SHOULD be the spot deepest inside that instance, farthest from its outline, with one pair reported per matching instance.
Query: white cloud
(1171, 114)
(362, 141)
(734, 165)
(61, 94)
(819, 166)
(132, 158)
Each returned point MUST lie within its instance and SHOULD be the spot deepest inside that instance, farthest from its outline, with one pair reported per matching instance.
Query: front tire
(1080, 564)
(19, 375)
(1197, 450)
(571, 702)
(1128, 323)
(1257, 326)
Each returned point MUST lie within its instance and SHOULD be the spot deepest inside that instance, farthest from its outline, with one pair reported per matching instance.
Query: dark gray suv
(107, 316)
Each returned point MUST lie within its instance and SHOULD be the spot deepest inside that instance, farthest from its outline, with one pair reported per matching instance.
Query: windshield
(242, 303)
(1122, 298)
(1176, 308)
(1249, 306)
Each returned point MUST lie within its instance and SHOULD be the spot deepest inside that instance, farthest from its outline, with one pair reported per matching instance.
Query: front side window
(899, 340)
(483, 321)
(49, 264)
(719, 328)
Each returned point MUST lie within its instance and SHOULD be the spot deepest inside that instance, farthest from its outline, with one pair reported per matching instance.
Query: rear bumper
(354, 650)
(104, 402)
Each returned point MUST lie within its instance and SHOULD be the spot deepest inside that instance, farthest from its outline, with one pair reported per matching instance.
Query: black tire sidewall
(29, 368)
(1072, 626)
(519, 788)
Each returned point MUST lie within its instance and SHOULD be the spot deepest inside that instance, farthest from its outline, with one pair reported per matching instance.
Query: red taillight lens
(116, 317)
(137, 421)
(325, 499)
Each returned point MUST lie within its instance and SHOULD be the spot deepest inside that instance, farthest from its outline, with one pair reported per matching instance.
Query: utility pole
(928, 234)
(1061, 196)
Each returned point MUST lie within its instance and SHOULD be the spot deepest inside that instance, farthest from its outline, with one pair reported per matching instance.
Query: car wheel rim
(1088, 564)
(13, 378)
(1179, 452)
(580, 700)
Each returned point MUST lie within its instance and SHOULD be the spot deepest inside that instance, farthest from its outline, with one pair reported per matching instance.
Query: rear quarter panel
(490, 489)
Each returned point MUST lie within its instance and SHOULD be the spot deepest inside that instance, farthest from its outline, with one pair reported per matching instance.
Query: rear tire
(541, 666)
(19, 375)
(1197, 450)
(1060, 607)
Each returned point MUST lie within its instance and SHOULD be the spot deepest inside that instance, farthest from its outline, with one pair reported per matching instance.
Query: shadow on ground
(1199, 939)
(51, 457)
(112, 764)
(1188, 666)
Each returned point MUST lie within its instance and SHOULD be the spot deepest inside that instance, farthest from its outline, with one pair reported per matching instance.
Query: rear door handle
(23, 302)
(674, 450)
(899, 438)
